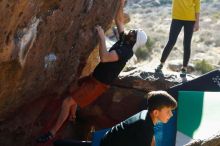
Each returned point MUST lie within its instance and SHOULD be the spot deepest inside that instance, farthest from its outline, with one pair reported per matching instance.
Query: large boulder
(44, 46)
(212, 141)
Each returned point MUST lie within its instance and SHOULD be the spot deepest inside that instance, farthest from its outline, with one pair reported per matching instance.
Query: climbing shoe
(45, 137)
(183, 73)
(159, 69)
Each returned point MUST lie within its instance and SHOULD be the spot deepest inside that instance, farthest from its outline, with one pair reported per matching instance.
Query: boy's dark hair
(160, 99)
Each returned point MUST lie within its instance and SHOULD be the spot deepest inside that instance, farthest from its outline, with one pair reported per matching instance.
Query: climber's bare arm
(119, 18)
(105, 56)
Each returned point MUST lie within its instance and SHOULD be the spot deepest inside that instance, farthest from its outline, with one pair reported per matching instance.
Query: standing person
(111, 64)
(139, 129)
(185, 13)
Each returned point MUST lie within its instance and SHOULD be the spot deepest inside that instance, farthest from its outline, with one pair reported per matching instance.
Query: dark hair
(132, 40)
(160, 99)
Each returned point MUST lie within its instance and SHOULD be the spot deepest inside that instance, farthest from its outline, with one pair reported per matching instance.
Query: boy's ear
(155, 113)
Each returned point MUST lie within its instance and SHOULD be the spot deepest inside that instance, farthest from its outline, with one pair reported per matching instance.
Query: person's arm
(105, 56)
(196, 26)
(197, 14)
(119, 18)
(153, 141)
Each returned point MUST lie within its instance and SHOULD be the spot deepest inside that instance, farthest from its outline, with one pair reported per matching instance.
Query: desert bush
(208, 1)
(203, 66)
(216, 37)
(165, 1)
(170, 1)
(144, 52)
(207, 37)
(216, 15)
(150, 43)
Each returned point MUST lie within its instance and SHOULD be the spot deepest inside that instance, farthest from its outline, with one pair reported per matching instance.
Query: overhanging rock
(44, 46)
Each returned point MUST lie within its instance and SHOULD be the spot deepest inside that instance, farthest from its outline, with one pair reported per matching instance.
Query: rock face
(212, 141)
(44, 46)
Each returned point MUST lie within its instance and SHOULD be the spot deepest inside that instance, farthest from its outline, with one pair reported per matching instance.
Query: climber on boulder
(111, 64)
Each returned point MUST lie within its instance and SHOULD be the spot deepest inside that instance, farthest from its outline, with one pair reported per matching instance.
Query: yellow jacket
(185, 9)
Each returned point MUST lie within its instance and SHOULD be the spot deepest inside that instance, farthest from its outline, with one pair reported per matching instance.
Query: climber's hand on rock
(100, 31)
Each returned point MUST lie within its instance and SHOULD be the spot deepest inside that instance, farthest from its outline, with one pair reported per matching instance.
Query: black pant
(175, 29)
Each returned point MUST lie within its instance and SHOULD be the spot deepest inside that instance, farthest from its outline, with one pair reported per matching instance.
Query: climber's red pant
(88, 91)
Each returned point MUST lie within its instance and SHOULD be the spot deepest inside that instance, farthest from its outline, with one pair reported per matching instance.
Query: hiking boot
(183, 73)
(45, 137)
(159, 69)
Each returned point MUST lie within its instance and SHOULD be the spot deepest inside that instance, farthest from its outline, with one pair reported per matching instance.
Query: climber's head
(137, 37)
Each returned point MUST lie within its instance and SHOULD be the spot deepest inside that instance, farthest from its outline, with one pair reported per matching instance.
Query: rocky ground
(155, 19)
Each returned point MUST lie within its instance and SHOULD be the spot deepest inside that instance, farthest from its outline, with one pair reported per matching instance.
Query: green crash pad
(197, 115)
